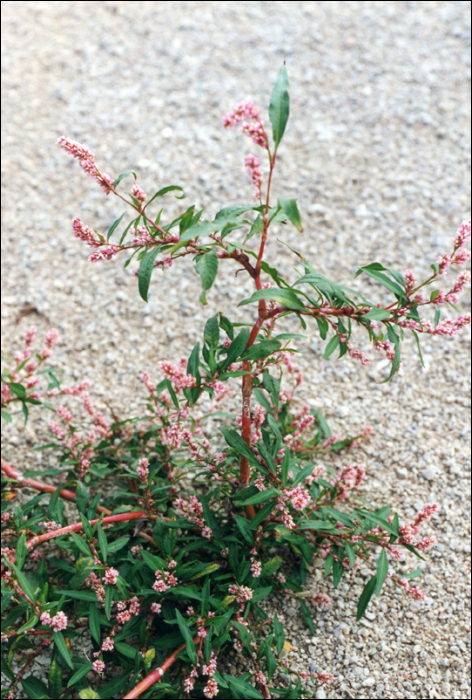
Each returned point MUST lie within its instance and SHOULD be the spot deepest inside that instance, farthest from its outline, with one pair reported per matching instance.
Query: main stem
(247, 382)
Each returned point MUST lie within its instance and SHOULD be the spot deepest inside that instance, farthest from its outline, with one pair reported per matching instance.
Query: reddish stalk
(119, 518)
(8, 470)
(157, 674)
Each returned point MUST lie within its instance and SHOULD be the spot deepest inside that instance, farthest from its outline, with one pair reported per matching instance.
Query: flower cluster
(86, 161)
(58, 622)
(193, 511)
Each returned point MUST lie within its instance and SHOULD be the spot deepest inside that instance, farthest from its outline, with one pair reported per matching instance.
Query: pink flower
(410, 280)
(242, 593)
(256, 569)
(58, 622)
(138, 193)
(98, 666)
(104, 253)
(260, 678)
(211, 689)
(299, 498)
(189, 684)
(143, 470)
(108, 644)
(463, 234)
(321, 599)
(462, 256)
(46, 618)
(77, 150)
(444, 263)
(111, 576)
(156, 608)
(84, 233)
(142, 237)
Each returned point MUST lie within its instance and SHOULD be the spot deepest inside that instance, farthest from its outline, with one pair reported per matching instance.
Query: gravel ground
(378, 152)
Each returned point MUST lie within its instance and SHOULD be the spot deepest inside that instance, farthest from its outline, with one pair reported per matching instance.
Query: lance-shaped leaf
(164, 190)
(122, 176)
(290, 208)
(366, 595)
(187, 635)
(203, 228)
(145, 271)
(207, 268)
(279, 107)
(285, 297)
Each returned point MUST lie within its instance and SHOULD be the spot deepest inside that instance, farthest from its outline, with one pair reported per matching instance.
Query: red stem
(157, 674)
(119, 518)
(8, 470)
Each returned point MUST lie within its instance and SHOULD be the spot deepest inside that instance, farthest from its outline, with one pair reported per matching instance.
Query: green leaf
(260, 497)
(395, 364)
(18, 389)
(285, 467)
(379, 521)
(382, 571)
(385, 281)
(34, 688)
(285, 297)
(165, 190)
(62, 648)
(202, 228)
(420, 353)
(102, 542)
(126, 650)
(279, 107)
(261, 350)
(81, 544)
(83, 670)
(331, 347)
(82, 497)
(24, 583)
(323, 327)
(413, 574)
(235, 441)
(244, 636)
(241, 689)
(146, 267)
(306, 614)
(244, 528)
(350, 553)
(290, 208)
(122, 176)
(55, 679)
(6, 416)
(80, 595)
(114, 226)
(109, 595)
(94, 623)
(316, 525)
(187, 635)
(20, 554)
(279, 634)
(237, 347)
(207, 268)
(211, 335)
(233, 211)
(366, 595)
(377, 315)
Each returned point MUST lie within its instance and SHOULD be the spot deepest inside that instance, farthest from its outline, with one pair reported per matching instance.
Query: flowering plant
(162, 575)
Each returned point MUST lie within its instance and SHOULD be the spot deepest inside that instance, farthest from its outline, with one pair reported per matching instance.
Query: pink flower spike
(253, 167)
(98, 666)
(463, 234)
(77, 150)
(138, 193)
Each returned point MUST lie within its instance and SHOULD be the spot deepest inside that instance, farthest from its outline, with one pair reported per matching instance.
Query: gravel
(378, 152)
